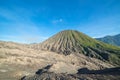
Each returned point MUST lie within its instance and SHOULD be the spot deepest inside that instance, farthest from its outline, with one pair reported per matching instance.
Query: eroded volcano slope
(70, 41)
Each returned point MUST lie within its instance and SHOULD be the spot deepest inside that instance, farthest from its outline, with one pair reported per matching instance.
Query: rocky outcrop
(44, 74)
(50, 76)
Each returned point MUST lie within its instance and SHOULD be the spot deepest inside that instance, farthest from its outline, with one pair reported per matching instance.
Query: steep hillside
(70, 41)
(114, 40)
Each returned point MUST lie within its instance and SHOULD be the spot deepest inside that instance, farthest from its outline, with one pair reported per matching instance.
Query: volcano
(74, 42)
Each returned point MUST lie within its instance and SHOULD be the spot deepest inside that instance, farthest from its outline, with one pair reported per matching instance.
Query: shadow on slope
(83, 74)
(111, 71)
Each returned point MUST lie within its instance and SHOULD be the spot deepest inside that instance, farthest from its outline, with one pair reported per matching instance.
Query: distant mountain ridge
(71, 41)
(114, 40)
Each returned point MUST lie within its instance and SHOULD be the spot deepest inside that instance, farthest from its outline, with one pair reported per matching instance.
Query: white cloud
(57, 21)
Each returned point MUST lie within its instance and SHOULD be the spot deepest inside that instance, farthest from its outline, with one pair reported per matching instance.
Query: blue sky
(29, 21)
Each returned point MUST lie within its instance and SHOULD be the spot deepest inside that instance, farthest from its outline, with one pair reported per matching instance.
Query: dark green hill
(114, 40)
(70, 41)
